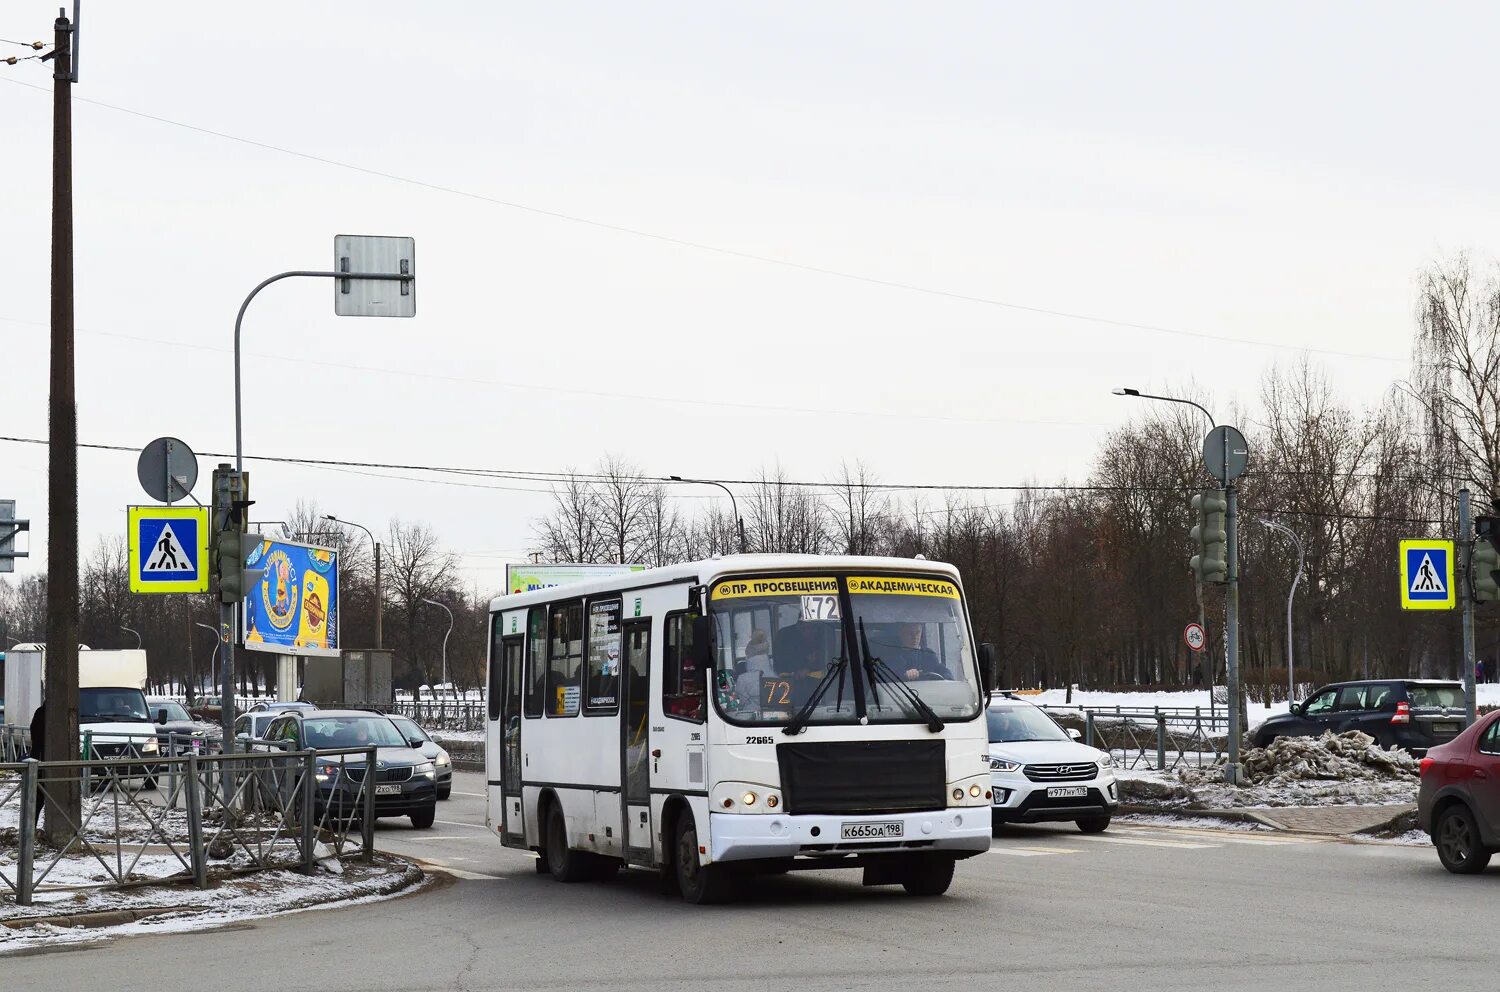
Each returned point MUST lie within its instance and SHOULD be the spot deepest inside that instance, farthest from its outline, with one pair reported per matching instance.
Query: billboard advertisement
(295, 608)
(525, 578)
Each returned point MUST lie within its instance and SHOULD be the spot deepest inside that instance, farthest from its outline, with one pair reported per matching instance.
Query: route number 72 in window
(820, 608)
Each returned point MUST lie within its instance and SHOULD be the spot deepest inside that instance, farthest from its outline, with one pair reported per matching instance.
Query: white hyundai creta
(1040, 772)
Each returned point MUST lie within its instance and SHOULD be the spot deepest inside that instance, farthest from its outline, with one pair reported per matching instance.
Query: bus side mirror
(703, 635)
(987, 667)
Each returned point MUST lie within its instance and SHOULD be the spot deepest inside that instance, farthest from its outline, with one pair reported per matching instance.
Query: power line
(721, 250)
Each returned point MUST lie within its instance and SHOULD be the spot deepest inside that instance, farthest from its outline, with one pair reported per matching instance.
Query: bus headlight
(748, 799)
(974, 791)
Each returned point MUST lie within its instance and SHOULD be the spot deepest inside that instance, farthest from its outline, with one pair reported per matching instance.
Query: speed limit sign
(1194, 636)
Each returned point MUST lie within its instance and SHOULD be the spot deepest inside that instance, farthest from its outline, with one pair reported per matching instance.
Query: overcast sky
(1276, 173)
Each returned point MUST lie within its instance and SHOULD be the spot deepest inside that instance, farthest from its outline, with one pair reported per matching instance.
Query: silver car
(422, 741)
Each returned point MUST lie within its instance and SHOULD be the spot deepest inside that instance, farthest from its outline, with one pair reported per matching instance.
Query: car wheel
(929, 877)
(423, 820)
(1093, 824)
(566, 864)
(699, 884)
(1457, 841)
(445, 793)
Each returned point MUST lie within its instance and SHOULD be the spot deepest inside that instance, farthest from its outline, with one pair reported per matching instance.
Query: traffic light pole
(1232, 629)
(1466, 602)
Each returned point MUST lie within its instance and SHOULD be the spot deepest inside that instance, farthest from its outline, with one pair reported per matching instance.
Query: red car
(1459, 801)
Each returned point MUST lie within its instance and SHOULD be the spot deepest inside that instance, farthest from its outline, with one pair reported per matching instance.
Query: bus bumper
(748, 836)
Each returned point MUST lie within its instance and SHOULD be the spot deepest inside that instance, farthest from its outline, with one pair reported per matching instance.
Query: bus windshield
(784, 645)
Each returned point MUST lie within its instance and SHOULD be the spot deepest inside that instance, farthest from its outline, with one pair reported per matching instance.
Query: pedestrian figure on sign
(164, 547)
(1427, 578)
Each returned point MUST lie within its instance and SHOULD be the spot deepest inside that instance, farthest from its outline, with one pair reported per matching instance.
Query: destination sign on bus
(791, 586)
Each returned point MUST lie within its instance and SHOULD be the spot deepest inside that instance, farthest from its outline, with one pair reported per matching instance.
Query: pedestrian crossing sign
(168, 548)
(1427, 575)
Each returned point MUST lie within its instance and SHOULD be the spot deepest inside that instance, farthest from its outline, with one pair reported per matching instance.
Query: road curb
(410, 877)
(1182, 813)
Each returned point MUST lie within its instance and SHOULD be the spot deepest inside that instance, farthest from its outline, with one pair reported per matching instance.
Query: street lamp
(135, 632)
(379, 602)
(1127, 391)
(739, 521)
(433, 602)
(213, 677)
(1283, 528)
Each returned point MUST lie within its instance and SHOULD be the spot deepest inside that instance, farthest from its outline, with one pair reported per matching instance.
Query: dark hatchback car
(1415, 714)
(1458, 803)
(405, 779)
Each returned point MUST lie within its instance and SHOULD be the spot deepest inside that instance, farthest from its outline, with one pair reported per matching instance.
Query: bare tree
(418, 569)
(572, 532)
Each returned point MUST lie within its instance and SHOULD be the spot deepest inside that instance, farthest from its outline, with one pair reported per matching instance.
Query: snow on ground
(472, 736)
(186, 908)
(1196, 822)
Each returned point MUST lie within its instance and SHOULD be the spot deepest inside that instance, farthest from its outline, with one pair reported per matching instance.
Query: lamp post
(213, 677)
(1218, 464)
(379, 601)
(1291, 682)
(135, 632)
(734, 506)
(433, 602)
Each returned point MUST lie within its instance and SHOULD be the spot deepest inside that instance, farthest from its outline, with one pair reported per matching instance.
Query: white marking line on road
(472, 876)
(1142, 842)
(1018, 852)
(1048, 850)
(460, 823)
(472, 795)
(429, 839)
(1223, 836)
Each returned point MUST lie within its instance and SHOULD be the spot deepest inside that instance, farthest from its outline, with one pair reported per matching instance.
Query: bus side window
(683, 687)
(536, 659)
(565, 660)
(497, 666)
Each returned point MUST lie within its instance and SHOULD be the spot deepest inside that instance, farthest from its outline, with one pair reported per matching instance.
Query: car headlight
(1004, 765)
(443, 759)
(1106, 761)
(325, 772)
(150, 747)
(425, 768)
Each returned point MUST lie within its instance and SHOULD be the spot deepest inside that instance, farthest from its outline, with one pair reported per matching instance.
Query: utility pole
(63, 799)
(1232, 632)
(1466, 603)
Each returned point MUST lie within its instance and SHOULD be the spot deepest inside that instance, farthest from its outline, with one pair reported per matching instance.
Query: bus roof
(715, 568)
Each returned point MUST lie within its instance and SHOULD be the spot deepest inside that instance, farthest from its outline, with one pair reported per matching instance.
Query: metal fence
(1150, 739)
(185, 818)
(443, 714)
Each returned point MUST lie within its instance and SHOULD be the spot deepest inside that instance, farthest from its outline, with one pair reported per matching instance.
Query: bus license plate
(388, 790)
(1067, 792)
(872, 831)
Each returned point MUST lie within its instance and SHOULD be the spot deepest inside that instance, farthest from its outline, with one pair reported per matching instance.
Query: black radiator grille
(863, 776)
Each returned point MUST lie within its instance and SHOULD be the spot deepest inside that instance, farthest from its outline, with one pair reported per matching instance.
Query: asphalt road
(1047, 908)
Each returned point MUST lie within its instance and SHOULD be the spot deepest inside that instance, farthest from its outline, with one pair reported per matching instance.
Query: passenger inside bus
(754, 668)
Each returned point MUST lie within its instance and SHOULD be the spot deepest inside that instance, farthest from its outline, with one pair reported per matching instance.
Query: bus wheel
(699, 884)
(567, 865)
(929, 877)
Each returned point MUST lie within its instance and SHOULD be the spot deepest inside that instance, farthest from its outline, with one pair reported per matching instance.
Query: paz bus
(746, 715)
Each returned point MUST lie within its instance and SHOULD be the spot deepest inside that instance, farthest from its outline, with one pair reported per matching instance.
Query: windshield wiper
(879, 670)
(797, 722)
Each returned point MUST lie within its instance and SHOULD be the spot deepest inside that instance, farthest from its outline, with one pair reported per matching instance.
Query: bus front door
(512, 651)
(635, 746)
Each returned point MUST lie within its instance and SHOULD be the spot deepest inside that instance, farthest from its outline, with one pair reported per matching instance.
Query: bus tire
(567, 865)
(699, 884)
(929, 877)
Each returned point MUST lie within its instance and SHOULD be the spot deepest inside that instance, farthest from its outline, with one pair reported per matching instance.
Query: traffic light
(1485, 559)
(1211, 563)
(231, 549)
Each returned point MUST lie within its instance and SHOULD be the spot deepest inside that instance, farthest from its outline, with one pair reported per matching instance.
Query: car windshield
(174, 709)
(410, 730)
(783, 647)
(351, 731)
(104, 705)
(1435, 696)
(1009, 724)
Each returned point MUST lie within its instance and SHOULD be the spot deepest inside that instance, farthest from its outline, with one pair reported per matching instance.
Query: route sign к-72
(168, 548)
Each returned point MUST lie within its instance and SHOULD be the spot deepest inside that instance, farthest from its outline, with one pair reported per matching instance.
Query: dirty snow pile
(1310, 771)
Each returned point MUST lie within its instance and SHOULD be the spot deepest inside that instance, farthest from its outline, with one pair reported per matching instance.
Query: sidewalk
(1331, 819)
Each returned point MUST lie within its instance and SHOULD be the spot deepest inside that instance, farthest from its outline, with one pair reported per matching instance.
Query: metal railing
(443, 714)
(1150, 739)
(150, 819)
